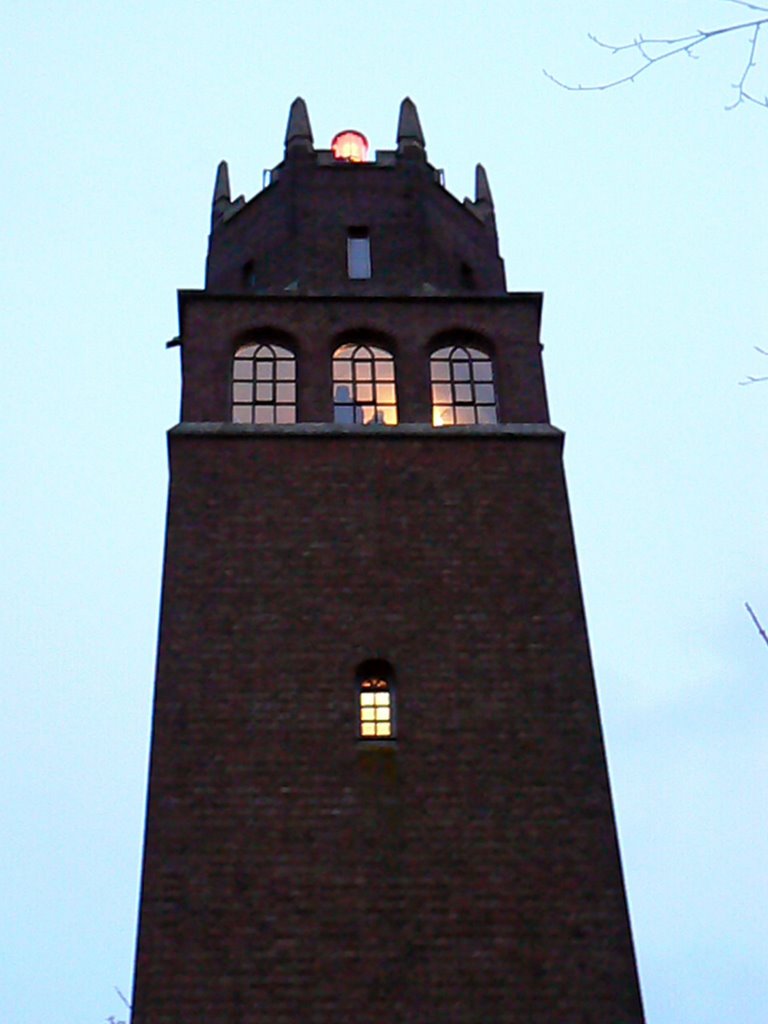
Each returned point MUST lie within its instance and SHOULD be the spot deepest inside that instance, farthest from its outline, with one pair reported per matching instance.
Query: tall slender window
(358, 254)
(376, 701)
(264, 384)
(462, 386)
(364, 385)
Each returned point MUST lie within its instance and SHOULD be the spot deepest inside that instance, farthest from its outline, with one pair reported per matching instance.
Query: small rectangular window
(375, 709)
(358, 254)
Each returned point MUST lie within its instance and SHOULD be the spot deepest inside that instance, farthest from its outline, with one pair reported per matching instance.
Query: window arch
(364, 385)
(375, 700)
(263, 384)
(462, 386)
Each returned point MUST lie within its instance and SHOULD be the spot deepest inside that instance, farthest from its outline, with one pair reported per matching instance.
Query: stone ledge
(497, 431)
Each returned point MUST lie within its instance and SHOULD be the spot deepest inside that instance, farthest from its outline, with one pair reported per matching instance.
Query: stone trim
(496, 431)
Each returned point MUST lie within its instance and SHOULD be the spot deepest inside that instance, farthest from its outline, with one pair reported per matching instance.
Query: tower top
(338, 222)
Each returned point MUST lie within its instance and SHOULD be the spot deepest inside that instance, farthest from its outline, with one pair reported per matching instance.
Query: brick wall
(466, 873)
(295, 233)
(507, 327)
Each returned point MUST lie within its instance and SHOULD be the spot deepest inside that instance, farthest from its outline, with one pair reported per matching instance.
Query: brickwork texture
(465, 872)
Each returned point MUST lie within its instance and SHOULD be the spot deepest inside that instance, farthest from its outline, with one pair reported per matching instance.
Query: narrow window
(364, 385)
(467, 277)
(375, 695)
(462, 387)
(358, 254)
(248, 275)
(264, 384)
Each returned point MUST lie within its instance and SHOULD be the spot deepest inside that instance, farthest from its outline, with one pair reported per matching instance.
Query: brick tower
(378, 790)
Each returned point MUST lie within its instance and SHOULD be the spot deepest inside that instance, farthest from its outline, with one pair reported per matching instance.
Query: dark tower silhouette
(378, 789)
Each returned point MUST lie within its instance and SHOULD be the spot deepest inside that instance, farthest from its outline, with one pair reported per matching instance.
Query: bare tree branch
(656, 50)
(756, 621)
(740, 86)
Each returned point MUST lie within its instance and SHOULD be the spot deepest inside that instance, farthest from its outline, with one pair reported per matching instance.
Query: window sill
(363, 743)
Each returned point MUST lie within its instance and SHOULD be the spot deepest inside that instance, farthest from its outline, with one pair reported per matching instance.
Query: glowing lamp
(351, 147)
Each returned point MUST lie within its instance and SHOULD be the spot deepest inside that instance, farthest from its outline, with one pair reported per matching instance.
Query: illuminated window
(358, 254)
(264, 384)
(375, 701)
(364, 385)
(462, 387)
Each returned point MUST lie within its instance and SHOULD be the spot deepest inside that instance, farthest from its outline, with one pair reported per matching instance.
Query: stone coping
(380, 432)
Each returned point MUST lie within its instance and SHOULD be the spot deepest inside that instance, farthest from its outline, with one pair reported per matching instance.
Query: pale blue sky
(641, 215)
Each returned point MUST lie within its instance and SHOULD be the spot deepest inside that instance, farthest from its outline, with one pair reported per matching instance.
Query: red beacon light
(351, 147)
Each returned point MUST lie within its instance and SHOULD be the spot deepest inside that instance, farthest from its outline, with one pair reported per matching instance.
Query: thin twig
(756, 621)
(745, 3)
(756, 380)
(123, 997)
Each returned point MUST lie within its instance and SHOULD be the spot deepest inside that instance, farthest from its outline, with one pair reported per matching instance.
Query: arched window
(376, 704)
(264, 384)
(364, 385)
(462, 386)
